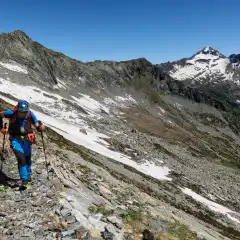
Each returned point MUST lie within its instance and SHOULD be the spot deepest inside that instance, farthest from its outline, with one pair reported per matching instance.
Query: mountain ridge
(21, 34)
(47, 66)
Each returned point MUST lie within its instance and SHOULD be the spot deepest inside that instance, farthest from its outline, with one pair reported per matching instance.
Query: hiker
(21, 136)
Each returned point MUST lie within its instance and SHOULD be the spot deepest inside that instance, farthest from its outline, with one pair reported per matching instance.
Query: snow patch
(117, 132)
(127, 98)
(183, 73)
(109, 101)
(170, 122)
(178, 106)
(120, 101)
(206, 49)
(212, 197)
(212, 205)
(29, 93)
(157, 172)
(15, 68)
(82, 79)
(204, 56)
(61, 84)
(90, 105)
(53, 103)
(162, 110)
(49, 102)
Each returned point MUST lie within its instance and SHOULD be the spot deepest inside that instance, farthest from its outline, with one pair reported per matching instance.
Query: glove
(40, 127)
(3, 130)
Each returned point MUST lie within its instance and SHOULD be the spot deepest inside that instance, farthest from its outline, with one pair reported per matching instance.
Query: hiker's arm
(36, 123)
(6, 113)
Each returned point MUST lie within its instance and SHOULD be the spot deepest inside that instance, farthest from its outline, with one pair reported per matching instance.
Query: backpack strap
(13, 118)
(15, 108)
(29, 116)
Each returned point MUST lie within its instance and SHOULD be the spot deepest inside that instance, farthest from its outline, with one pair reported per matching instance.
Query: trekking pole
(3, 145)
(44, 150)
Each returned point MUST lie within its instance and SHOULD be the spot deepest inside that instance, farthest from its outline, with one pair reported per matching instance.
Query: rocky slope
(125, 154)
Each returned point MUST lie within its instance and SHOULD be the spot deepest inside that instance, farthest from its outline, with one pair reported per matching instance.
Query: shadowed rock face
(234, 58)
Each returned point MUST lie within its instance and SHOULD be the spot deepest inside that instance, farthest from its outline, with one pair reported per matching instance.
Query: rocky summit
(133, 150)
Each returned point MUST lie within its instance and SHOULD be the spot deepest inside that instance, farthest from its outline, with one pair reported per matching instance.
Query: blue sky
(159, 30)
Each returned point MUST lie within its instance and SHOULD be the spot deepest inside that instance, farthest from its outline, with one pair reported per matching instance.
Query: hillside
(131, 146)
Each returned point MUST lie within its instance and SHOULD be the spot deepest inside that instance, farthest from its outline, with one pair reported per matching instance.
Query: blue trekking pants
(23, 151)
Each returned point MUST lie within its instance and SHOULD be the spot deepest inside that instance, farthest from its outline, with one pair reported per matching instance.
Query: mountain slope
(114, 127)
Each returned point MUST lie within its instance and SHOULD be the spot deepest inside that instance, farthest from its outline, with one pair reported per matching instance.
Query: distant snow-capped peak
(212, 51)
(207, 53)
(207, 63)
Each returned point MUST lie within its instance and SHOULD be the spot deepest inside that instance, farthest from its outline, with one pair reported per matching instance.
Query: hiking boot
(25, 185)
(24, 182)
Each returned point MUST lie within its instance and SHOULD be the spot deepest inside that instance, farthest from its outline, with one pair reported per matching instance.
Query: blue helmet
(23, 106)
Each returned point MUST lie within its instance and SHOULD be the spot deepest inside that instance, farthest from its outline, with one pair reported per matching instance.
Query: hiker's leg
(27, 148)
(29, 164)
(22, 163)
